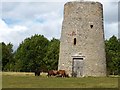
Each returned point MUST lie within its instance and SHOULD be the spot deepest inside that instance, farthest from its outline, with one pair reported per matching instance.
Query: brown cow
(52, 73)
(62, 73)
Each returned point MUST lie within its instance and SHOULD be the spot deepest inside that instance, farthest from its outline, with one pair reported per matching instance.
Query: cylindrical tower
(82, 49)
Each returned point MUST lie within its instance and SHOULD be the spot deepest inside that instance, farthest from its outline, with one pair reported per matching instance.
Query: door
(77, 67)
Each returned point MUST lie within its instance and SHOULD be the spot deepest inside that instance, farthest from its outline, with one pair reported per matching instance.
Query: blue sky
(21, 19)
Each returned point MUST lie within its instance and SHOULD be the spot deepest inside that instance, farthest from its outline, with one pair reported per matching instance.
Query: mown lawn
(30, 81)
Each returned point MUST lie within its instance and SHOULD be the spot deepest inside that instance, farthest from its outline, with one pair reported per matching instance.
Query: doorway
(77, 68)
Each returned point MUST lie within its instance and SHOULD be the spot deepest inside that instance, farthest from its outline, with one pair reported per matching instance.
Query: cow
(62, 73)
(52, 73)
(37, 72)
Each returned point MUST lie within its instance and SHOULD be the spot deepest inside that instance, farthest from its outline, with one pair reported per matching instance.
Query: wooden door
(77, 67)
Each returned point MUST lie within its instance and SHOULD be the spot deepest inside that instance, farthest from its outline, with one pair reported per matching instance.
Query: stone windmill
(82, 49)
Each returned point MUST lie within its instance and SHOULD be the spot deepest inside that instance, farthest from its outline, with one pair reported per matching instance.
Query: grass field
(28, 80)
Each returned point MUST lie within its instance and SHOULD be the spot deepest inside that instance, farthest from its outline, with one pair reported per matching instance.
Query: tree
(30, 53)
(7, 55)
(52, 55)
(118, 56)
(113, 55)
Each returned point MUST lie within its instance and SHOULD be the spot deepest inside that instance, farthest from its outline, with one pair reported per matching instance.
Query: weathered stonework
(82, 49)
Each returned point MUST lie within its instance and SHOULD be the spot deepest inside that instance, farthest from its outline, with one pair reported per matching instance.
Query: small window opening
(91, 26)
(74, 41)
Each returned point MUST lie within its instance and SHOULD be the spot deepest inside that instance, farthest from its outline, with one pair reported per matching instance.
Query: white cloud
(7, 30)
(110, 12)
(27, 11)
(50, 26)
(36, 19)
(111, 29)
(11, 34)
(110, 19)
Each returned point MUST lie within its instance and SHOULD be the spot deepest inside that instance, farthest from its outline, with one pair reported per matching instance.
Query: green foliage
(31, 52)
(113, 55)
(52, 55)
(7, 56)
(37, 53)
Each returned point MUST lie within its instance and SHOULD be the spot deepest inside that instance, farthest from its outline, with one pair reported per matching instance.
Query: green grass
(25, 80)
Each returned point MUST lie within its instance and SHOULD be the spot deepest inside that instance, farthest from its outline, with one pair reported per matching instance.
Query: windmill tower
(82, 49)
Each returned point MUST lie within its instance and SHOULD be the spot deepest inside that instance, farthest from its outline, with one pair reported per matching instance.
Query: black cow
(37, 72)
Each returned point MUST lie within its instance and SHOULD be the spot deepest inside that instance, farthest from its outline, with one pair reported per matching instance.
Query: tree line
(37, 52)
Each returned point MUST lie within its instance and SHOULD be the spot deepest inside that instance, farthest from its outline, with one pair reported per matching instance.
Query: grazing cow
(37, 72)
(52, 73)
(62, 73)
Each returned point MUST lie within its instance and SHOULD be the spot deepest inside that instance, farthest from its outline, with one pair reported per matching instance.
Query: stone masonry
(82, 49)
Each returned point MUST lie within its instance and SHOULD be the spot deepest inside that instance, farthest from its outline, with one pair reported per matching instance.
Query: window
(74, 41)
(91, 26)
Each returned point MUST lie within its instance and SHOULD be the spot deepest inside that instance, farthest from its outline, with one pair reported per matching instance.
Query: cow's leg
(35, 73)
(38, 73)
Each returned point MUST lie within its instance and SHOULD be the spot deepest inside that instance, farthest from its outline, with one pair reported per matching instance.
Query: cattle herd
(56, 73)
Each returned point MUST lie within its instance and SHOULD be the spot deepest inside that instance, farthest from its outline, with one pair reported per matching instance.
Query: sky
(21, 19)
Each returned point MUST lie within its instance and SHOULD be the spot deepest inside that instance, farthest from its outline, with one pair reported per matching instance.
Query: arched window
(74, 41)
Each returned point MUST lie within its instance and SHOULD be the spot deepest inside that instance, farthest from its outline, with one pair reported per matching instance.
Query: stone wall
(83, 21)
